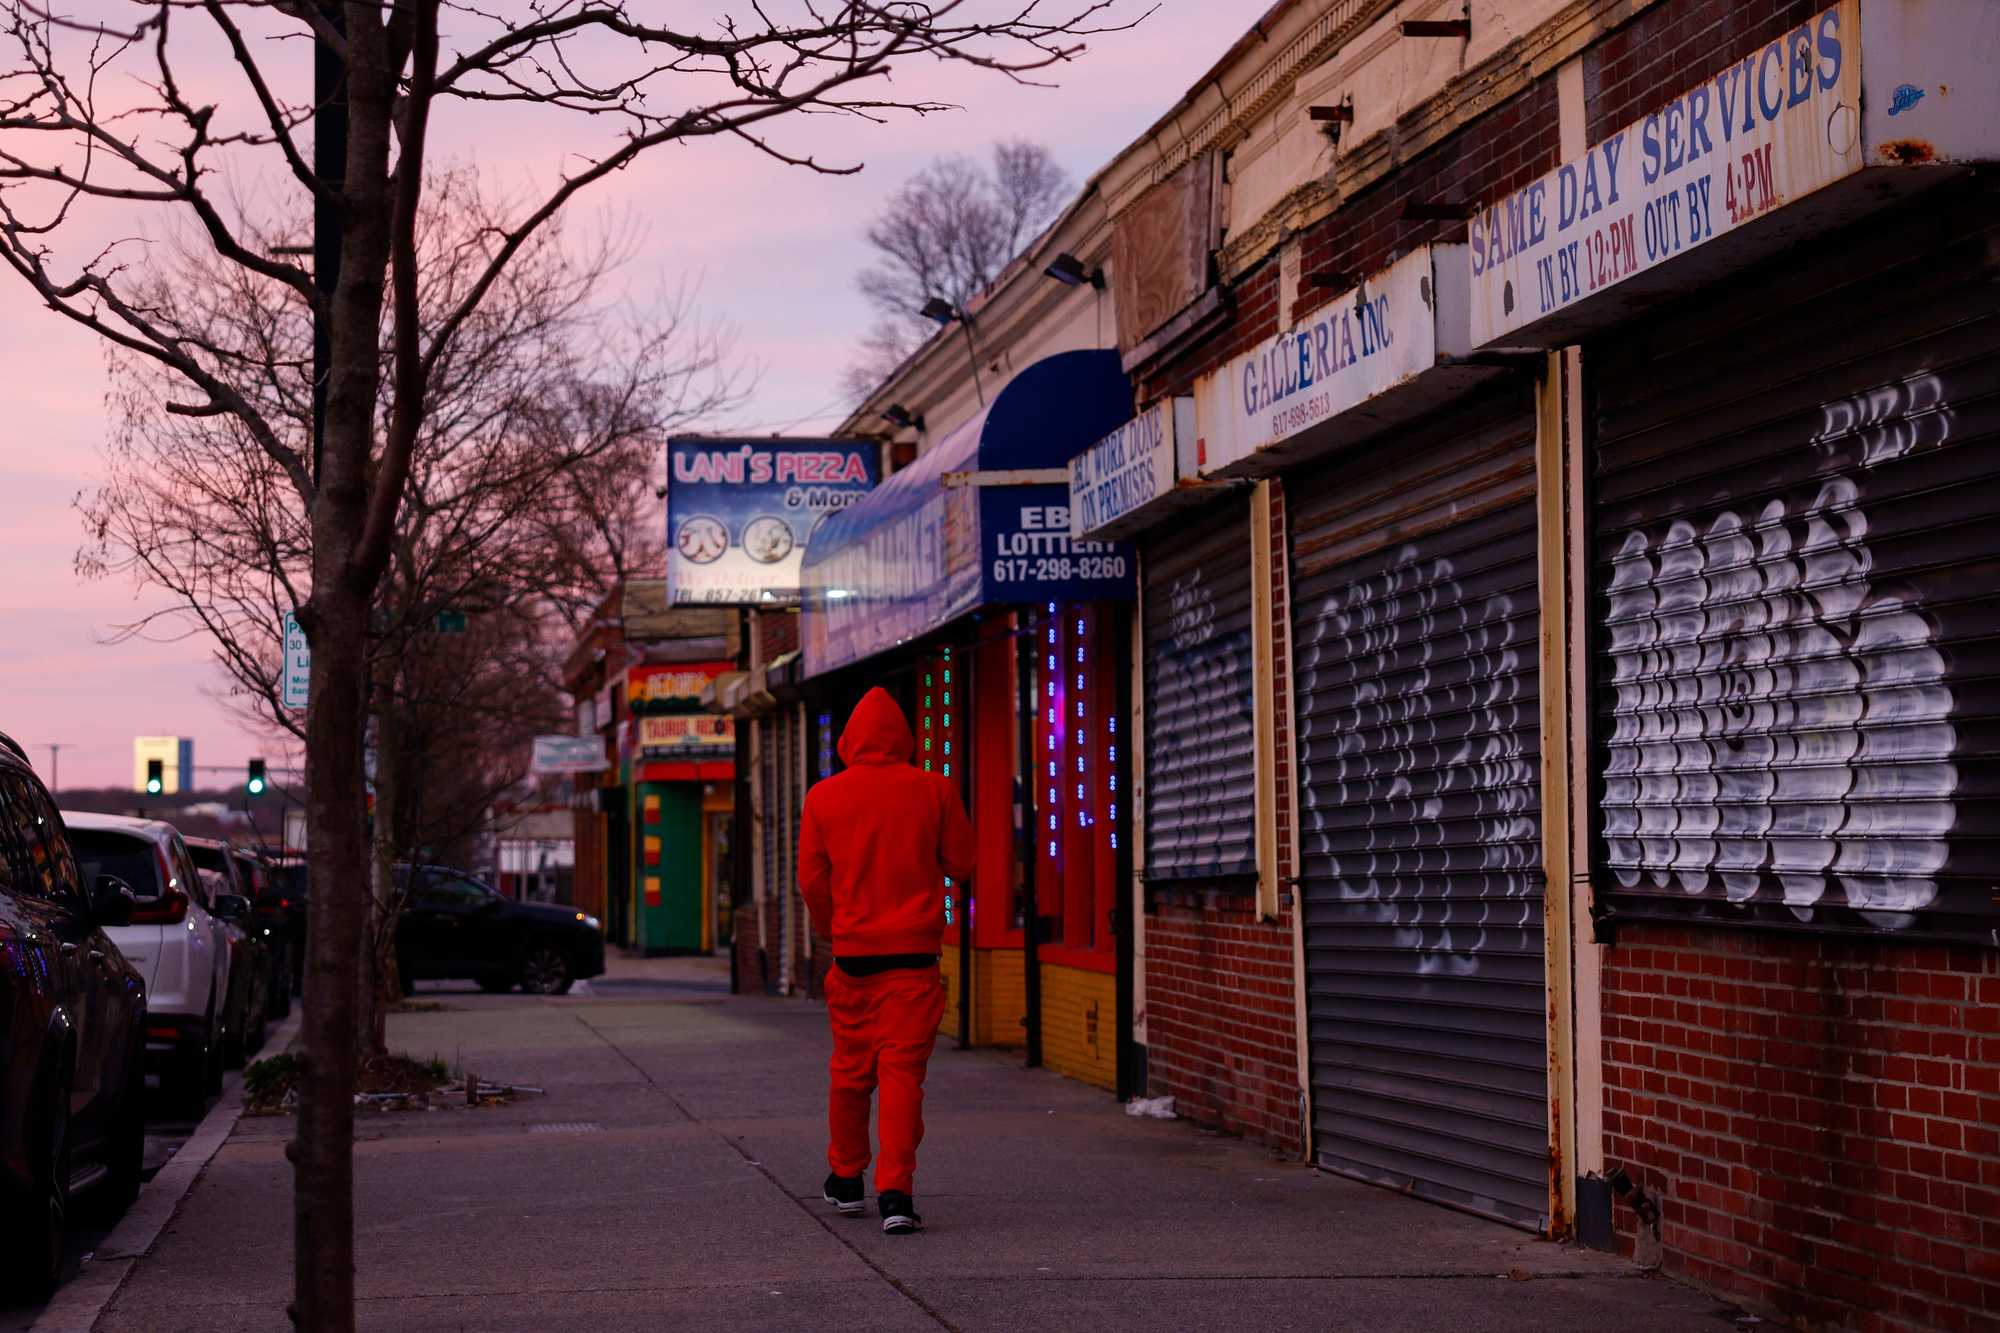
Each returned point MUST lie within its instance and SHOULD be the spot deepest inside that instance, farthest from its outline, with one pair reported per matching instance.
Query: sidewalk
(670, 1179)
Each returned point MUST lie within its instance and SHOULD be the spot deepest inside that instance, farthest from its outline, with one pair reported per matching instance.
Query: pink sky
(774, 250)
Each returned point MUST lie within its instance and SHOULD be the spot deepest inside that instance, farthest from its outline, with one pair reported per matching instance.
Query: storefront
(957, 587)
(683, 773)
(1408, 475)
(1782, 589)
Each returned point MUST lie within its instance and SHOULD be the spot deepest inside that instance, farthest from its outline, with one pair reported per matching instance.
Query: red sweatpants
(884, 1027)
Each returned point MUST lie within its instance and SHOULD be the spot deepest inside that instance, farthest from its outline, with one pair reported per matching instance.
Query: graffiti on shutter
(1200, 732)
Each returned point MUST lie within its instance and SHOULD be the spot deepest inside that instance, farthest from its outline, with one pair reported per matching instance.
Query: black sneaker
(846, 1194)
(899, 1213)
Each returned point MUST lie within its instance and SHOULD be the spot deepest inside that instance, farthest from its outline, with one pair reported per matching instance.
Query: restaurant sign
(667, 685)
(687, 736)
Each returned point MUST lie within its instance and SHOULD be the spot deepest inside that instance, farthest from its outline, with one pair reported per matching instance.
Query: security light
(1068, 270)
(939, 309)
(898, 415)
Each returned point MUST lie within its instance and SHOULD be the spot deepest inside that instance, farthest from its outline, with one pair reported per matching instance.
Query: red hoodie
(878, 839)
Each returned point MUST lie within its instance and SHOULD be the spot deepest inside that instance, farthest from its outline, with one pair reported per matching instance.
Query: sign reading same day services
(1773, 127)
(739, 513)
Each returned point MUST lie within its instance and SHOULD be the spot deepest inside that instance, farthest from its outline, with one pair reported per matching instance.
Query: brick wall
(1819, 1117)
(1507, 148)
(1673, 46)
(755, 963)
(777, 633)
(1221, 1032)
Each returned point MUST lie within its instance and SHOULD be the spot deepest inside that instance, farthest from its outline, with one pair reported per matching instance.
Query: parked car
(271, 916)
(246, 1009)
(173, 939)
(285, 898)
(455, 927)
(72, 1108)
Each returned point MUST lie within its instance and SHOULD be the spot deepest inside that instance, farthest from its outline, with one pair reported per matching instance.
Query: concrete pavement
(670, 1178)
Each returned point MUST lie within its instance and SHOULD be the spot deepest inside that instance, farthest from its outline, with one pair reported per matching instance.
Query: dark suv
(71, 1099)
(453, 926)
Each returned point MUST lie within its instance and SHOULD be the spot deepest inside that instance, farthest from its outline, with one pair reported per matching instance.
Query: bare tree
(947, 233)
(97, 118)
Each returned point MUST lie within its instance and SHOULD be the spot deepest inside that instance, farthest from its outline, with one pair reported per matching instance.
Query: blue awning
(914, 554)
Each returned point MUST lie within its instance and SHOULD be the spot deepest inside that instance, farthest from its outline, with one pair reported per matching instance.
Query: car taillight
(165, 910)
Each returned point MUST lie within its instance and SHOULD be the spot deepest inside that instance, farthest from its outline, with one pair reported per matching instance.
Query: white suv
(179, 948)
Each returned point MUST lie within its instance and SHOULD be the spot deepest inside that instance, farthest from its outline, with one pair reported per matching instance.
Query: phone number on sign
(1290, 420)
(1058, 567)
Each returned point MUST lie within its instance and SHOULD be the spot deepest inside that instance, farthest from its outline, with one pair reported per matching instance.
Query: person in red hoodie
(875, 844)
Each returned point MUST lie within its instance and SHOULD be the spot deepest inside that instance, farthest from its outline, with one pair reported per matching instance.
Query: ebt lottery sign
(1768, 130)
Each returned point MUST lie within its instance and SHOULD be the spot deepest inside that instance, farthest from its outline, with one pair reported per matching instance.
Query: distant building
(176, 756)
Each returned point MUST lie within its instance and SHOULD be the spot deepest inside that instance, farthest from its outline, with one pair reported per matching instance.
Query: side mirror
(112, 901)
(231, 907)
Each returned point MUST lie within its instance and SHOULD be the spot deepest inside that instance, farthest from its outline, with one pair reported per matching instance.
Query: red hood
(876, 732)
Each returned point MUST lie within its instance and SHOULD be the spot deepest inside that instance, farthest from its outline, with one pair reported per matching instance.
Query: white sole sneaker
(899, 1224)
(846, 1209)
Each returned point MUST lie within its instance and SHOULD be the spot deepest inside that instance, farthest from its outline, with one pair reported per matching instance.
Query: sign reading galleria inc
(1344, 357)
(1132, 471)
(739, 512)
(1773, 127)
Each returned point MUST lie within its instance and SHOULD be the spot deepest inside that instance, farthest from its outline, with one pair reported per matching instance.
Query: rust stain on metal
(1907, 152)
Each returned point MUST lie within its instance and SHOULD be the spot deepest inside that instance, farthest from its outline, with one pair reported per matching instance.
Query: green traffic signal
(156, 776)
(255, 786)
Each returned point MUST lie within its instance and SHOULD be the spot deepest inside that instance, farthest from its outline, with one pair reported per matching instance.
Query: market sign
(678, 683)
(972, 522)
(739, 512)
(1378, 354)
(569, 754)
(687, 736)
(1867, 99)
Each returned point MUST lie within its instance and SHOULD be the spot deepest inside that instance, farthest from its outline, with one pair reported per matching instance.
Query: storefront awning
(963, 527)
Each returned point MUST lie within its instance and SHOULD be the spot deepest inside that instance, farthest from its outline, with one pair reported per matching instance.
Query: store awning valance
(962, 527)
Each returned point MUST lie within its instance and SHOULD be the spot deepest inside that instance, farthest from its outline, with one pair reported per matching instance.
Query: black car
(283, 901)
(272, 917)
(453, 926)
(246, 1008)
(72, 1114)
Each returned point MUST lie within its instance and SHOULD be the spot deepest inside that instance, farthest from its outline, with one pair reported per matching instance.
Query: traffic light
(156, 776)
(255, 786)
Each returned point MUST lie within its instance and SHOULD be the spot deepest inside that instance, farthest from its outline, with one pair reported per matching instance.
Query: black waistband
(868, 964)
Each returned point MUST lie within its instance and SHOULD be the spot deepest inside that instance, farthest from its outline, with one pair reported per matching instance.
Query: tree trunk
(323, 1196)
(337, 624)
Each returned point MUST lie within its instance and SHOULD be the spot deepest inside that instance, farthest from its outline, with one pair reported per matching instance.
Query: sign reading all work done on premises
(1768, 130)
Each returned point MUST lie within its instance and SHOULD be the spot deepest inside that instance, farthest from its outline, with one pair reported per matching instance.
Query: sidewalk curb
(79, 1304)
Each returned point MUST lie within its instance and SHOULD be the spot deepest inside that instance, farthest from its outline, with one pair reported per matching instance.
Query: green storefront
(683, 769)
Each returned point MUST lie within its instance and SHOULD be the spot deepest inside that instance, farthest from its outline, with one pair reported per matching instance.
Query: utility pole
(55, 749)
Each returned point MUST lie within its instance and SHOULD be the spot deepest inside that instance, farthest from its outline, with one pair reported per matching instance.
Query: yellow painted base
(1080, 1024)
(999, 996)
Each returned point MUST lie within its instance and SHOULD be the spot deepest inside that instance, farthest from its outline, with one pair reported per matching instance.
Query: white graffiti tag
(1782, 723)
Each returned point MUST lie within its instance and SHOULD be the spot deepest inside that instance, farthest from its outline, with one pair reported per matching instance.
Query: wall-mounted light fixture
(941, 310)
(898, 415)
(1332, 119)
(944, 312)
(1068, 270)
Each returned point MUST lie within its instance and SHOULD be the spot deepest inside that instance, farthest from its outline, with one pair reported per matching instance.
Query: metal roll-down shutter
(1415, 674)
(1796, 721)
(1201, 770)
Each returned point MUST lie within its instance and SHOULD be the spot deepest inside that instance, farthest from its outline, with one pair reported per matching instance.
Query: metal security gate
(1201, 779)
(1416, 671)
(1797, 590)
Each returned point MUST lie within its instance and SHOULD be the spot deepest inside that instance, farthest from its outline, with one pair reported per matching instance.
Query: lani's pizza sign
(739, 512)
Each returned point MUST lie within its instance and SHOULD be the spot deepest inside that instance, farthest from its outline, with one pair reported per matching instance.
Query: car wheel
(34, 1259)
(496, 985)
(545, 971)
